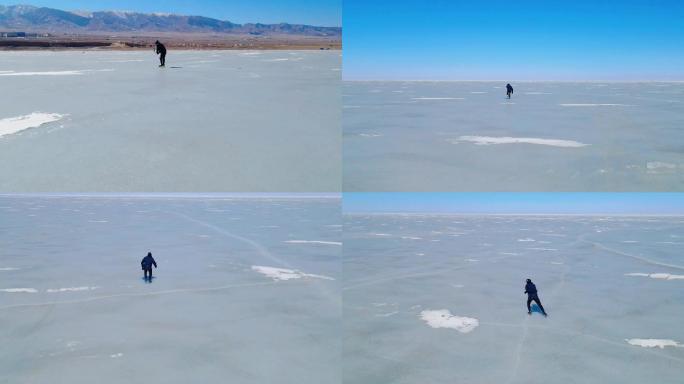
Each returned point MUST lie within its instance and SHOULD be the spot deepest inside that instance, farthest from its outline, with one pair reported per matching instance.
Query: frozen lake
(439, 299)
(246, 289)
(466, 136)
(210, 121)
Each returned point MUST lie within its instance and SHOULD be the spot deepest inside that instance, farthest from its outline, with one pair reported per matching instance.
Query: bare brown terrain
(172, 40)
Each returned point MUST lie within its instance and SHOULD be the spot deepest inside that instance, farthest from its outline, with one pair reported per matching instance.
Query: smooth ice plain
(439, 299)
(551, 136)
(74, 307)
(111, 121)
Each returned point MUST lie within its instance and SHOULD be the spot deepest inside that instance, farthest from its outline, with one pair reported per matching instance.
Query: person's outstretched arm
(154, 263)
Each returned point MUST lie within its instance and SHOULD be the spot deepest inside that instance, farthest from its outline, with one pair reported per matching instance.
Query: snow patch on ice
(54, 73)
(8, 269)
(387, 314)
(486, 140)
(660, 276)
(659, 166)
(653, 343)
(281, 274)
(13, 125)
(596, 105)
(313, 242)
(442, 318)
(437, 98)
(125, 61)
(411, 238)
(19, 290)
(70, 289)
(44, 73)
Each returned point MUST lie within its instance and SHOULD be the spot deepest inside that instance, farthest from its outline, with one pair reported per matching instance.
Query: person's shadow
(535, 308)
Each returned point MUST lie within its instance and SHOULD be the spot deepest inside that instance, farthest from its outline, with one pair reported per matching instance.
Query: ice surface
(207, 317)
(589, 137)
(594, 309)
(131, 126)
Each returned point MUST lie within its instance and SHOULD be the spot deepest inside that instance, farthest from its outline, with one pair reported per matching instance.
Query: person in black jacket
(146, 264)
(531, 291)
(161, 51)
(509, 90)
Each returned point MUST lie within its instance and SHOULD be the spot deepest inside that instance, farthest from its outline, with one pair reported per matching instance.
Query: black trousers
(530, 299)
(148, 271)
(162, 58)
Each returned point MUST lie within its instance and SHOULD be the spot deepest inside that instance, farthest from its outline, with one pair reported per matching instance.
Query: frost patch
(281, 274)
(653, 343)
(442, 318)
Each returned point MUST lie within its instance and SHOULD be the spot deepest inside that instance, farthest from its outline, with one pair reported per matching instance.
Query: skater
(161, 51)
(146, 264)
(531, 291)
(509, 90)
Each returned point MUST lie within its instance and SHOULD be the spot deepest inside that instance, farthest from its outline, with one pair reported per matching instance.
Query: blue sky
(514, 40)
(315, 12)
(516, 203)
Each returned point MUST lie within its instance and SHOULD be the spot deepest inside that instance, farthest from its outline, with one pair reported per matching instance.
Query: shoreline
(191, 48)
(134, 43)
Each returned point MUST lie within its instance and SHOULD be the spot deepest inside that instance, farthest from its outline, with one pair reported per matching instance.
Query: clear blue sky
(516, 203)
(514, 40)
(315, 12)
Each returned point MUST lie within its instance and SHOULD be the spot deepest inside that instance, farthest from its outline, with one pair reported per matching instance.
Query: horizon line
(178, 195)
(586, 214)
(519, 81)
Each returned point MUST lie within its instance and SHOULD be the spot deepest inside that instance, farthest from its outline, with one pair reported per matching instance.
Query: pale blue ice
(235, 121)
(75, 309)
(397, 266)
(467, 136)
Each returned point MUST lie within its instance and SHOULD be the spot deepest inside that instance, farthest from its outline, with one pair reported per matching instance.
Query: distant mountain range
(41, 19)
